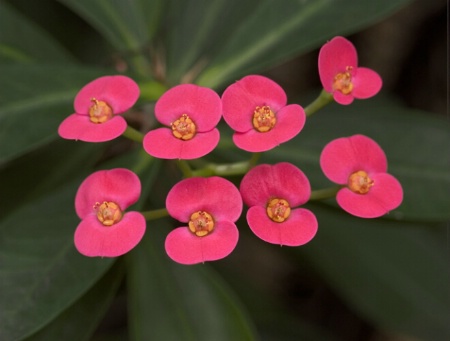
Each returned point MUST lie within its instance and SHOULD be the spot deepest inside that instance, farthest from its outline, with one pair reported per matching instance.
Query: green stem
(325, 193)
(155, 214)
(133, 134)
(185, 168)
(322, 100)
(254, 159)
(227, 169)
(143, 162)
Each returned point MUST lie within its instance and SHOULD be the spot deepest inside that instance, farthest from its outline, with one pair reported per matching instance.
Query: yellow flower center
(278, 210)
(100, 111)
(184, 128)
(201, 223)
(108, 213)
(359, 182)
(343, 82)
(263, 119)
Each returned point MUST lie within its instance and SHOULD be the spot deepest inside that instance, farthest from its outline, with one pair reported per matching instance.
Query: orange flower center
(100, 111)
(343, 81)
(359, 182)
(263, 119)
(184, 128)
(278, 210)
(108, 213)
(201, 223)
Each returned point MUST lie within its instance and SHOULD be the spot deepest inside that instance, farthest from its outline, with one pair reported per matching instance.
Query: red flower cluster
(256, 108)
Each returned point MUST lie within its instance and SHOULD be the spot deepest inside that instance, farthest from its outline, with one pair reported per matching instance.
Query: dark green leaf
(224, 40)
(127, 25)
(23, 41)
(394, 274)
(34, 100)
(41, 273)
(29, 176)
(79, 321)
(169, 301)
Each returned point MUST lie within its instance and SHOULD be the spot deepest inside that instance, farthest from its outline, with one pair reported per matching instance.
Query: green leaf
(23, 41)
(169, 301)
(411, 139)
(41, 273)
(394, 274)
(34, 100)
(79, 322)
(128, 25)
(26, 178)
(224, 40)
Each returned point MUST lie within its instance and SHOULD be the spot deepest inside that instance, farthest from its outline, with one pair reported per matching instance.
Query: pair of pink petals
(219, 198)
(342, 157)
(92, 238)
(339, 56)
(282, 181)
(119, 92)
(200, 104)
(241, 99)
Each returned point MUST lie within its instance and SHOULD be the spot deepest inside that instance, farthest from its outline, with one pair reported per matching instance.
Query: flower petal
(342, 99)
(118, 185)
(384, 196)
(290, 121)
(366, 82)
(93, 239)
(185, 248)
(79, 127)
(282, 181)
(298, 229)
(346, 155)
(119, 92)
(215, 195)
(202, 105)
(335, 57)
(162, 144)
(240, 99)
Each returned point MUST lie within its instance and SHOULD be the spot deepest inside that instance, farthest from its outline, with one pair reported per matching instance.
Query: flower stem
(254, 159)
(133, 134)
(155, 214)
(185, 168)
(325, 193)
(322, 100)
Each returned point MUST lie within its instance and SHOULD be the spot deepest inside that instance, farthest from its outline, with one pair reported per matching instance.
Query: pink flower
(272, 192)
(255, 107)
(192, 113)
(97, 106)
(209, 206)
(340, 74)
(359, 163)
(106, 230)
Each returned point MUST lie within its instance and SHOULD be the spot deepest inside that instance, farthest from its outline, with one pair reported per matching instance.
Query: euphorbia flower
(360, 165)
(192, 113)
(106, 230)
(272, 192)
(255, 107)
(209, 207)
(340, 74)
(97, 106)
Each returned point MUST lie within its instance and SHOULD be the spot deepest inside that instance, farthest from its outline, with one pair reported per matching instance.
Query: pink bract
(202, 105)
(338, 57)
(119, 92)
(343, 157)
(92, 238)
(281, 181)
(241, 99)
(219, 198)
